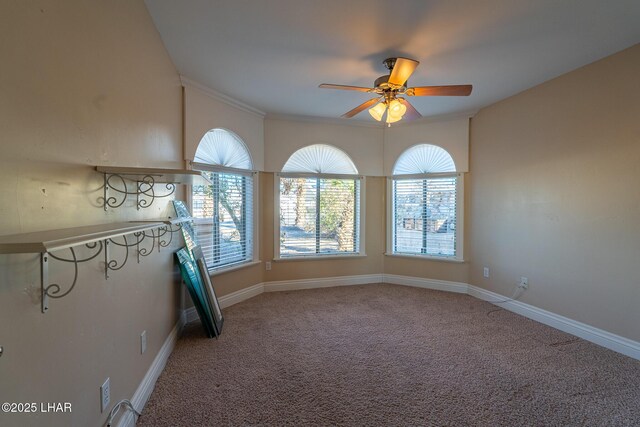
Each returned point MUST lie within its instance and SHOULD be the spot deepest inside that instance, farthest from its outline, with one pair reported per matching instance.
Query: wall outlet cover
(105, 395)
(143, 342)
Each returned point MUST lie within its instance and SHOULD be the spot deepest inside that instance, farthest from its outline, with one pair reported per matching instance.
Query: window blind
(424, 216)
(319, 216)
(223, 213)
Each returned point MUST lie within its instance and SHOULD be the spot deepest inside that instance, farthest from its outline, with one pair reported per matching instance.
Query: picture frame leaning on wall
(212, 299)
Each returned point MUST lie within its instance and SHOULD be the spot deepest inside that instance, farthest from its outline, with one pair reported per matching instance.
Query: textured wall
(82, 84)
(554, 194)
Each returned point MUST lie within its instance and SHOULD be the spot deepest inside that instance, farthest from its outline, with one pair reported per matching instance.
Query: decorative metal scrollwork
(144, 251)
(144, 191)
(163, 231)
(162, 235)
(54, 290)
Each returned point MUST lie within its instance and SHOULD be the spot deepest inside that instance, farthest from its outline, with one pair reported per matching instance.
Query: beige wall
(82, 84)
(362, 143)
(203, 112)
(554, 194)
(452, 134)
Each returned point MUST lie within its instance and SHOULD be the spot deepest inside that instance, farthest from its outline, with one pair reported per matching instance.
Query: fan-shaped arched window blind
(320, 158)
(424, 158)
(425, 203)
(319, 204)
(223, 211)
(223, 148)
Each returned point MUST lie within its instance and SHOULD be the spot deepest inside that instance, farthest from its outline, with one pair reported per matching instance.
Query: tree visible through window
(223, 211)
(319, 213)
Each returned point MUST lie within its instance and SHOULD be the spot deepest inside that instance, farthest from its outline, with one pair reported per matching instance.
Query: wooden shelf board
(53, 240)
(173, 176)
(172, 221)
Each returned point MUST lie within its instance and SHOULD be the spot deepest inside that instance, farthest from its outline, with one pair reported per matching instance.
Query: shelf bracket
(144, 190)
(44, 280)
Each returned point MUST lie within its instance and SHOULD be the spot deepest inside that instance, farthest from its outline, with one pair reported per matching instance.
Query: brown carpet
(378, 355)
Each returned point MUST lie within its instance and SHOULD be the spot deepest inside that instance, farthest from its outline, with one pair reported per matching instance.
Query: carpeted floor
(379, 355)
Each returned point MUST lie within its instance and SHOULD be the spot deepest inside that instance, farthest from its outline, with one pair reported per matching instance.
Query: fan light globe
(377, 111)
(397, 109)
(392, 118)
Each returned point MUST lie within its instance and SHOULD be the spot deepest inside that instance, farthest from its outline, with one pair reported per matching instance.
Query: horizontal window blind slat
(224, 218)
(424, 216)
(318, 215)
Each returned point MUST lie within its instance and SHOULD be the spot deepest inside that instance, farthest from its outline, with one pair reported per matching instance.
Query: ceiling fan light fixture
(378, 111)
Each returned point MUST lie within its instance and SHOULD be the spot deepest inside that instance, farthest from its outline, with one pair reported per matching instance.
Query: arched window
(426, 200)
(320, 158)
(318, 204)
(223, 211)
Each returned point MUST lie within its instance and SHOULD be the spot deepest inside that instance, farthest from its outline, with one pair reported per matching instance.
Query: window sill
(221, 270)
(318, 257)
(426, 258)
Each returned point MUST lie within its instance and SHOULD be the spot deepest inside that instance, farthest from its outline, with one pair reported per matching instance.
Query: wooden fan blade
(411, 113)
(455, 90)
(402, 69)
(344, 87)
(360, 108)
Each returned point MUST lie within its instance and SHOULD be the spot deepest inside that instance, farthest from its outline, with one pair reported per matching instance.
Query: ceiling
(272, 54)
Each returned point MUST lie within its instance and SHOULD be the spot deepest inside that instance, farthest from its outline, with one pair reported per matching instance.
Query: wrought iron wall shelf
(96, 239)
(142, 182)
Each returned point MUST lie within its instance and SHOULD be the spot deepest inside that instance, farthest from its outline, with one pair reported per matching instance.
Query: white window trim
(459, 218)
(256, 214)
(276, 219)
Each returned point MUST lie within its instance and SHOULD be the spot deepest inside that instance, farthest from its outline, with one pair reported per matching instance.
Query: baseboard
(190, 314)
(597, 336)
(324, 282)
(145, 388)
(419, 282)
(241, 295)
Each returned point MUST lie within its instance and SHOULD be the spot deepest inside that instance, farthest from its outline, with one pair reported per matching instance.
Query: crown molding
(226, 99)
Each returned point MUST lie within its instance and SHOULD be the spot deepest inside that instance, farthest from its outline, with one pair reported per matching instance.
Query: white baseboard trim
(597, 336)
(418, 282)
(190, 314)
(325, 282)
(241, 295)
(145, 388)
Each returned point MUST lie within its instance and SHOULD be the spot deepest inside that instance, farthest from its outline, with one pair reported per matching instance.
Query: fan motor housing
(382, 82)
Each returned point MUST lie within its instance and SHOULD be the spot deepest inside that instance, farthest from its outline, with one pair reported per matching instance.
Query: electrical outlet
(105, 395)
(267, 265)
(143, 342)
(524, 282)
(485, 273)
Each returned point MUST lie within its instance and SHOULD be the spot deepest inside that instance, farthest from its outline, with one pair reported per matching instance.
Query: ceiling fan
(390, 87)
